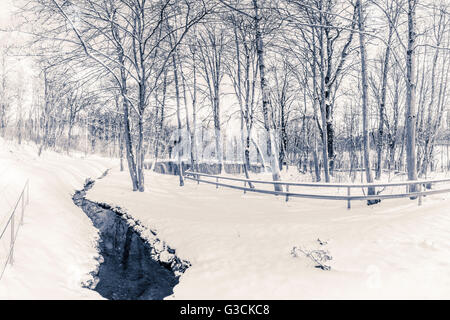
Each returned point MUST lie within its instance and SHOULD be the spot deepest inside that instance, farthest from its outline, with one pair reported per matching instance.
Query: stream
(134, 263)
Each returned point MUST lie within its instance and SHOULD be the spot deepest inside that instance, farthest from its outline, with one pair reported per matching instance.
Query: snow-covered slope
(240, 246)
(55, 248)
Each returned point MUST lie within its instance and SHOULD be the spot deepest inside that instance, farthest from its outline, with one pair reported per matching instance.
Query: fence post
(245, 186)
(287, 193)
(349, 206)
(11, 258)
(217, 181)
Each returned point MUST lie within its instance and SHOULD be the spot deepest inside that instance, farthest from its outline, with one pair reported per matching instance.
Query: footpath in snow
(56, 247)
(241, 246)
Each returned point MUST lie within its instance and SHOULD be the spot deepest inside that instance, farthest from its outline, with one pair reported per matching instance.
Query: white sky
(6, 7)
(19, 69)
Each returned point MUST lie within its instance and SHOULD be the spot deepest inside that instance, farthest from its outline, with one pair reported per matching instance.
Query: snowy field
(55, 248)
(240, 245)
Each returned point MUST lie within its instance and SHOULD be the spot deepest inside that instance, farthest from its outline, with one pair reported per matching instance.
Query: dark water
(130, 268)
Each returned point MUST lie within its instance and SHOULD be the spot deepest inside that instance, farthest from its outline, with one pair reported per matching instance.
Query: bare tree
(410, 112)
(365, 98)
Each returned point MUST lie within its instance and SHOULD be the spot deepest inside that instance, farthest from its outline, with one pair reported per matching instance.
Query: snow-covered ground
(55, 249)
(240, 245)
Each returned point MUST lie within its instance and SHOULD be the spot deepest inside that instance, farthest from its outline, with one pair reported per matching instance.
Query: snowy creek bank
(134, 263)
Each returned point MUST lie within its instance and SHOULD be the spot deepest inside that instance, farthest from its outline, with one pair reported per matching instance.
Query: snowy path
(239, 245)
(55, 248)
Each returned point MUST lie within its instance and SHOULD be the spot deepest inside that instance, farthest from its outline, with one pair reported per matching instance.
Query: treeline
(321, 84)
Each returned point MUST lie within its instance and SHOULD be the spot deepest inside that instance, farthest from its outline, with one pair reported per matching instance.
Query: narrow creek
(134, 263)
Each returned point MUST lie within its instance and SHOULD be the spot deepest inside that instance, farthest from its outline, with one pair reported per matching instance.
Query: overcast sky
(19, 68)
(6, 7)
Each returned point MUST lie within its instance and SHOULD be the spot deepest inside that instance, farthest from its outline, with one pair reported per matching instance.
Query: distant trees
(5, 102)
(325, 85)
(391, 13)
(211, 43)
(433, 84)
(130, 41)
(242, 68)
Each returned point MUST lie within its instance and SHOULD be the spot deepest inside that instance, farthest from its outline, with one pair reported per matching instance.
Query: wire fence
(9, 232)
(412, 189)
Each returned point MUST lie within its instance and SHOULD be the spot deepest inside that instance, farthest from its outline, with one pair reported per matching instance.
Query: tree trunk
(410, 113)
(127, 136)
(188, 125)
(383, 106)
(271, 145)
(194, 114)
(121, 142)
(365, 100)
(177, 96)
(161, 120)
(69, 134)
(325, 138)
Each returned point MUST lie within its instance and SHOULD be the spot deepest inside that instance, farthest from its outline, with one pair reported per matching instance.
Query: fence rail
(10, 224)
(195, 176)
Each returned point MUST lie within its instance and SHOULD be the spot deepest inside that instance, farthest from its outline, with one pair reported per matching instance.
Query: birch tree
(410, 112)
(365, 98)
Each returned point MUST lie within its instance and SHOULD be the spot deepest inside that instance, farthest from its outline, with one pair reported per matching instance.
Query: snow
(240, 244)
(55, 248)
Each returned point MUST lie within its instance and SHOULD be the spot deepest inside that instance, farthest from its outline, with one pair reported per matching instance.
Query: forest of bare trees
(326, 86)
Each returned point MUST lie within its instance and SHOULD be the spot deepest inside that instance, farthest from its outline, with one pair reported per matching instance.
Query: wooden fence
(423, 188)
